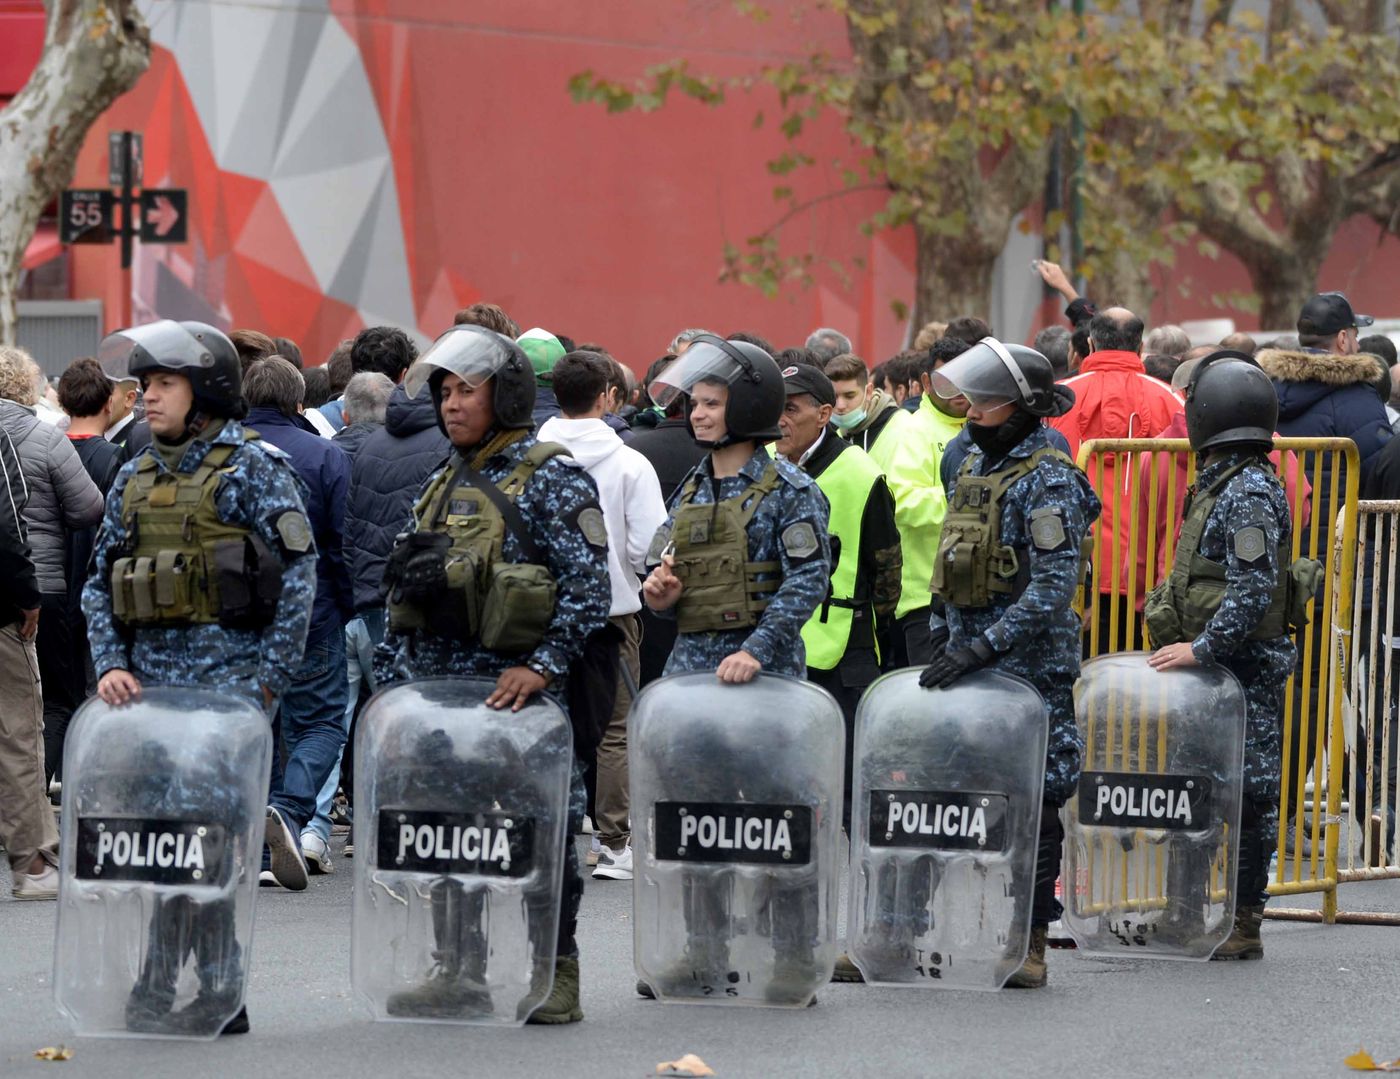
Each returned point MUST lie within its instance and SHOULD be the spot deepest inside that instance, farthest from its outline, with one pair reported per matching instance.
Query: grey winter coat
(61, 494)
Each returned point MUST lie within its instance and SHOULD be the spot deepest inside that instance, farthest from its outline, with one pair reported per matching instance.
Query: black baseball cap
(1328, 313)
(804, 378)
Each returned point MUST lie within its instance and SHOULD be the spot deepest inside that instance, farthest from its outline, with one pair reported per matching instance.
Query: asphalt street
(1321, 992)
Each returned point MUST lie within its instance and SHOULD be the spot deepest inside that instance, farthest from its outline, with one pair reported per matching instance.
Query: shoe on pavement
(846, 970)
(562, 1004)
(1291, 840)
(1033, 972)
(287, 864)
(317, 853)
(198, 1016)
(349, 851)
(1244, 941)
(614, 864)
(595, 848)
(40, 885)
(268, 879)
(443, 996)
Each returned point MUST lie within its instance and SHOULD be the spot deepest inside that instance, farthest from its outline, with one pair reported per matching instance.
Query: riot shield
(945, 819)
(1152, 836)
(460, 819)
(164, 802)
(736, 814)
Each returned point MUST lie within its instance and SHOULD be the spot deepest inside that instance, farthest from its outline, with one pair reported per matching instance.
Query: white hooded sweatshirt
(629, 494)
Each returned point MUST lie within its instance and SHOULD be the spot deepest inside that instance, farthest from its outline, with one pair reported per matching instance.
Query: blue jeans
(309, 729)
(362, 633)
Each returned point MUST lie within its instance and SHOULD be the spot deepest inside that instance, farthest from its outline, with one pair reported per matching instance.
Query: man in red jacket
(1114, 397)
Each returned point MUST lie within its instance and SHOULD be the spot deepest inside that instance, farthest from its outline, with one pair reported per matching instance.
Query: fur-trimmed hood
(1330, 368)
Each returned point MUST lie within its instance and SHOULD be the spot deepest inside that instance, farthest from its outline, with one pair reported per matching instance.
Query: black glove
(954, 663)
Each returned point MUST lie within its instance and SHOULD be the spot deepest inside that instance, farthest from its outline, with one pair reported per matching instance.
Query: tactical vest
(183, 565)
(1181, 606)
(973, 566)
(846, 482)
(711, 551)
(449, 577)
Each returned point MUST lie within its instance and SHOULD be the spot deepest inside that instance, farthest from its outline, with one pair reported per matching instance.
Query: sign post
(155, 216)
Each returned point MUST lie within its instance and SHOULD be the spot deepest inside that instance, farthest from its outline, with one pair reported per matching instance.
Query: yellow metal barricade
(1143, 485)
(1372, 689)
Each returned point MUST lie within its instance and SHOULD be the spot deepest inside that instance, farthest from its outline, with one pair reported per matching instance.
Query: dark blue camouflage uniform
(1251, 499)
(550, 504)
(256, 486)
(1036, 635)
(776, 642)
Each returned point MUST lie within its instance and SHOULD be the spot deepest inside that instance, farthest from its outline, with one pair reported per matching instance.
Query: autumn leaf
(1362, 1061)
(50, 1052)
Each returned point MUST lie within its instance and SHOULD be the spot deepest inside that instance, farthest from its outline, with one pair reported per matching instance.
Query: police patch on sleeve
(800, 541)
(590, 523)
(1250, 544)
(294, 531)
(1048, 529)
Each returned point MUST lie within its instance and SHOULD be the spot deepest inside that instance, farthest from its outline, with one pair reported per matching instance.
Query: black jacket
(102, 460)
(672, 451)
(19, 587)
(353, 436)
(387, 472)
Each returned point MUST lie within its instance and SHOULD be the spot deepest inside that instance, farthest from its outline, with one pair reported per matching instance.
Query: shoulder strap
(504, 504)
(754, 495)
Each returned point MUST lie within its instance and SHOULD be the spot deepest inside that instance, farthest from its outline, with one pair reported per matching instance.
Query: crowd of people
(841, 499)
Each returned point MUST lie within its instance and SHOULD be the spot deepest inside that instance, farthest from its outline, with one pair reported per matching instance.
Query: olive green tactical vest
(169, 577)
(973, 565)
(711, 542)
(449, 577)
(1181, 606)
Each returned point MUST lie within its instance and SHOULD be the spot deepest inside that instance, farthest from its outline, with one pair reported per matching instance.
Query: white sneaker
(268, 879)
(317, 853)
(595, 848)
(287, 864)
(614, 864)
(40, 885)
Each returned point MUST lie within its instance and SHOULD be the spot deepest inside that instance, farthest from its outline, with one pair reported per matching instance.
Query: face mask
(849, 420)
(997, 441)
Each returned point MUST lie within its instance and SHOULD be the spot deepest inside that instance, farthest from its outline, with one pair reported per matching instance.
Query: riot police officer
(743, 557)
(1009, 562)
(1232, 596)
(503, 574)
(203, 574)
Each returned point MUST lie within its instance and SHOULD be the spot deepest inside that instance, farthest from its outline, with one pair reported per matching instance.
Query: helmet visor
(164, 344)
(471, 353)
(701, 362)
(985, 374)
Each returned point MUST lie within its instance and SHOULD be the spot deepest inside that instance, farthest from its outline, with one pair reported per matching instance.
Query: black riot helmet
(756, 391)
(196, 350)
(1230, 402)
(474, 354)
(992, 373)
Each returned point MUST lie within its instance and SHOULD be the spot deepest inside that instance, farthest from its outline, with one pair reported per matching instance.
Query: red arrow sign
(163, 215)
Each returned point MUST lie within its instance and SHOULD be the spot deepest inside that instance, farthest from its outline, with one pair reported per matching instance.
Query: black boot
(148, 1006)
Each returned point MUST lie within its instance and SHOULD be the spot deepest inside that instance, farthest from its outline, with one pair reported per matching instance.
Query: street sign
(163, 215)
(85, 216)
(117, 143)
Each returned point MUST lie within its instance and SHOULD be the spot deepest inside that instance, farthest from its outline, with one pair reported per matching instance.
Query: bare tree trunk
(94, 51)
(953, 277)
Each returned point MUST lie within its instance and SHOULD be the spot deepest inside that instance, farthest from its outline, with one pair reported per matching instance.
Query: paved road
(1322, 991)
